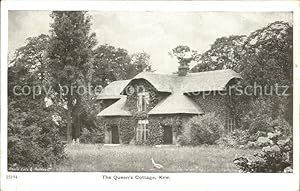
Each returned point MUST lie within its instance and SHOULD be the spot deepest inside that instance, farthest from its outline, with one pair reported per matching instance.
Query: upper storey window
(142, 101)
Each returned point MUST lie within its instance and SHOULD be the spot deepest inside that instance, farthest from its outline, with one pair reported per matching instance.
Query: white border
(179, 181)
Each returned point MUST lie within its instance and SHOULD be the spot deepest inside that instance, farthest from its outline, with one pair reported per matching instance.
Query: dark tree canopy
(184, 54)
(111, 63)
(225, 53)
(70, 53)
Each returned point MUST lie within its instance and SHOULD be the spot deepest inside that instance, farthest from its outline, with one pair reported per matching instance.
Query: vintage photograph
(125, 91)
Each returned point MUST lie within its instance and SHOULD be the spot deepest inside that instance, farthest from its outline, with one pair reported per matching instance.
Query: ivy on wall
(155, 97)
(156, 122)
(156, 127)
(127, 127)
(213, 103)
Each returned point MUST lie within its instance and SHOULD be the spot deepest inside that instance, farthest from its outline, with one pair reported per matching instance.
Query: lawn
(128, 158)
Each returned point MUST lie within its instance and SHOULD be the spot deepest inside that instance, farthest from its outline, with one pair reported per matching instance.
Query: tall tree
(111, 63)
(264, 57)
(33, 136)
(32, 57)
(140, 62)
(70, 58)
(224, 53)
(268, 61)
(184, 54)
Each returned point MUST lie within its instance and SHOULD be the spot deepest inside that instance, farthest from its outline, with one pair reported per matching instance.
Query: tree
(33, 137)
(268, 61)
(268, 55)
(70, 60)
(224, 53)
(32, 57)
(111, 63)
(140, 62)
(264, 57)
(184, 54)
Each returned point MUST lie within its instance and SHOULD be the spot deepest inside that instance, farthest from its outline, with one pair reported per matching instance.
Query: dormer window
(142, 101)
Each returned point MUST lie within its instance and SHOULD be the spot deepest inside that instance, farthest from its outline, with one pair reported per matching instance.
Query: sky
(155, 33)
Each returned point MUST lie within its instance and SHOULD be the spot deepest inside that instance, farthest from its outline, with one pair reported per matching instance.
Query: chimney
(183, 70)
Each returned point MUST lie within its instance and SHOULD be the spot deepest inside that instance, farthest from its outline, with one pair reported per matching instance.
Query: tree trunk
(69, 126)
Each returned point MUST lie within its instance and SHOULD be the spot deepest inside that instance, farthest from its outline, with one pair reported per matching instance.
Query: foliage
(140, 115)
(70, 61)
(155, 135)
(91, 136)
(132, 99)
(32, 57)
(111, 64)
(156, 128)
(127, 130)
(259, 127)
(183, 140)
(184, 55)
(268, 55)
(275, 156)
(264, 57)
(33, 138)
(224, 53)
(206, 129)
(240, 138)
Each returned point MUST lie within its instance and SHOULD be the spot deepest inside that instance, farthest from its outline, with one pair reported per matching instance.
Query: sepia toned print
(92, 91)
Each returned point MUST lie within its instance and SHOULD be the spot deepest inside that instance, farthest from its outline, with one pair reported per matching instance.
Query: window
(143, 101)
(142, 131)
(230, 125)
(230, 99)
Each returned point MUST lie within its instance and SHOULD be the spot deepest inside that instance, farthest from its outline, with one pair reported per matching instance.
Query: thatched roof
(116, 109)
(176, 104)
(113, 90)
(192, 82)
(177, 85)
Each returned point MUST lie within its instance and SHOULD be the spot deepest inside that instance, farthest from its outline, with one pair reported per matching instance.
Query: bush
(260, 124)
(33, 140)
(91, 136)
(275, 156)
(182, 140)
(204, 129)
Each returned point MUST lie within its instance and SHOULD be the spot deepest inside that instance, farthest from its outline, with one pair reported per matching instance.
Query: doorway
(114, 134)
(168, 135)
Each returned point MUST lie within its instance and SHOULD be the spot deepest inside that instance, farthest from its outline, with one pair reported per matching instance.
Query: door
(168, 135)
(114, 134)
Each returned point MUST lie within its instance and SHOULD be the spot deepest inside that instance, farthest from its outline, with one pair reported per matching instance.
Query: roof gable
(116, 109)
(176, 104)
(208, 81)
(192, 82)
(113, 90)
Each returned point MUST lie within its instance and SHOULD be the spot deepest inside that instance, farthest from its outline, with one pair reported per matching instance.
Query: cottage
(154, 108)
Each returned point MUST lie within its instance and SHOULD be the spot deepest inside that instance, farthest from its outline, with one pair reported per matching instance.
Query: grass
(128, 158)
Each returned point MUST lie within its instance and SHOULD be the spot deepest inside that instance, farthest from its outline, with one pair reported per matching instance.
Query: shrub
(33, 139)
(182, 140)
(275, 156)
(204, 129)
(227, 141)
(260, 124)
(91, 136)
